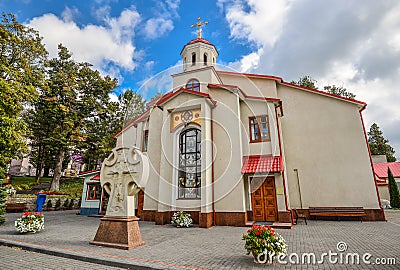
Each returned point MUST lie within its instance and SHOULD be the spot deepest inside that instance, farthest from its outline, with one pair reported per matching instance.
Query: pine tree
(393, 191)
(378, 144)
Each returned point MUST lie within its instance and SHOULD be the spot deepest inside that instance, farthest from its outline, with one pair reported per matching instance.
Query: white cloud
(157, 27)
(337, 42)
(69, 13)
(161, 23)
(258, 21)
(102, 46)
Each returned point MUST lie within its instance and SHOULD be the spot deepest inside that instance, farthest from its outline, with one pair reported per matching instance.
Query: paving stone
(167, 247)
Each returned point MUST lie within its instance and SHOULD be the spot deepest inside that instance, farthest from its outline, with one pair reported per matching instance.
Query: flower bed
(30, 222)
(264, 243)
(181, 219)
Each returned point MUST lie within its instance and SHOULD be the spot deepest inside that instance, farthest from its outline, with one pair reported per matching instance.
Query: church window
(193, 85)
(93, 191)
(205, 59)
(259, 128)
(193, 59)
(145, 140)
(189, 175)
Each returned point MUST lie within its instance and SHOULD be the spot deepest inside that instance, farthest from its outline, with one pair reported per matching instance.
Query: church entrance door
(263, 199)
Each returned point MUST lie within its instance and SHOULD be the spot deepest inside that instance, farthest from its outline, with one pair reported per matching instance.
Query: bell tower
(199, 52)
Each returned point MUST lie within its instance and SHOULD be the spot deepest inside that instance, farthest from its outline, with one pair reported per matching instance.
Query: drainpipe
(298, 183)
(280, 154)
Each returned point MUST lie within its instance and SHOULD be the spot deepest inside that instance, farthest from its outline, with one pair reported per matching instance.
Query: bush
(58, 204)
(71, 204)
(393, 191)
(3, 198)
(49, 204)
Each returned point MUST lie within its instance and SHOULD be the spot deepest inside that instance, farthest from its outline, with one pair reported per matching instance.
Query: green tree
(306, 81)
(339, 91)
(378, 144)
(22, 58)
(75, 96)
(393, 191)
(131, 105)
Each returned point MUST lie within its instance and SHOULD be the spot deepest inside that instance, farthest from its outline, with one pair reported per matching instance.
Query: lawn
(72, 187)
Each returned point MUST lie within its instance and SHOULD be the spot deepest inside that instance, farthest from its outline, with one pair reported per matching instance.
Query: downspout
(370, 160)
(280, 154)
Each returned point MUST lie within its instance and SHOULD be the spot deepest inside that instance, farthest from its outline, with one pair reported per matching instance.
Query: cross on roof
(199, 24)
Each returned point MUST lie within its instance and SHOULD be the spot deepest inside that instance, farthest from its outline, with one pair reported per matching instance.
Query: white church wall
(229, 185)
(324, 140)
(255, 108)
(258, 87)
(204, 76)
(153, 153)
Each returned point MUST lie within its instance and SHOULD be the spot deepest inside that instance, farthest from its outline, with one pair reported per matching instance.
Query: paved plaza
(64, 244)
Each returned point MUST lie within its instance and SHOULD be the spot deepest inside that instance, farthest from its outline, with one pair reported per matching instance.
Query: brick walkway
(68, 235)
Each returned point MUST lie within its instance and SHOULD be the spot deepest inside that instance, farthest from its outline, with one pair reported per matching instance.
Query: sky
(349, 43)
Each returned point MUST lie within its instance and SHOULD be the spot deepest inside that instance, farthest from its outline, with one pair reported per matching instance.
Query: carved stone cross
(123, 174)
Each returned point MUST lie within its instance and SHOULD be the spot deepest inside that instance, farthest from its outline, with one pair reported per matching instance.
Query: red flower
(272, 233)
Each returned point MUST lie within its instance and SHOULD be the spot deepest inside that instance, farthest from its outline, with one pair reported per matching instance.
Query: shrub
(393, 191)
(66, 203)
(58, 204)
(49, 204)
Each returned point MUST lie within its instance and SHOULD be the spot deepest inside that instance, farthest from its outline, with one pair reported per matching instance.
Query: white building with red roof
(232, 148)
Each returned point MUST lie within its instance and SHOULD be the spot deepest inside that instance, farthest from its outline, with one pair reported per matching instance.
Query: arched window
(193, 59)
(189, 175)
(205, 59)
(193, 85)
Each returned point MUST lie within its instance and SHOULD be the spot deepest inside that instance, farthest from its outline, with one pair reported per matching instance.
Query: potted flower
(30, 222)
(181, 219)
(264, 243)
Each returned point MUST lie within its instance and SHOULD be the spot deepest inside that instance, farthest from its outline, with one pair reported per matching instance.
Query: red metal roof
(381, 169)
(262, 164)
(96, 177)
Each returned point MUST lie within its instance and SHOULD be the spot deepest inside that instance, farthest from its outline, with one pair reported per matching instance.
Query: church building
(232, 148)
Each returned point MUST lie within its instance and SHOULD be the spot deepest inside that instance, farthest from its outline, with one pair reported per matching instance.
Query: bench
(337, 212)
(19, 207)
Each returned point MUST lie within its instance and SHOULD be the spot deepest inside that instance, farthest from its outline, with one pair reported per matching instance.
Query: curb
(128, 263)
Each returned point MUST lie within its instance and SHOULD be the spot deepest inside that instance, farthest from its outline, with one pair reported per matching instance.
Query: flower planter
(262, 241)
(30, 222)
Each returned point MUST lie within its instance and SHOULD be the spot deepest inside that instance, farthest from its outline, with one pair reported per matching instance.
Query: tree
(378, 144)
(75, 96)
(339, 91)
(393, 191)
(22, 58)
(131, 105)
(306, 81)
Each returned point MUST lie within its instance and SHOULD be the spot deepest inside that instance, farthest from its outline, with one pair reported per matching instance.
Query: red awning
(96, 177)
(261, 164)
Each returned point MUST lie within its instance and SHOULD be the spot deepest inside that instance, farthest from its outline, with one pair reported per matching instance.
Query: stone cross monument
(122, 175)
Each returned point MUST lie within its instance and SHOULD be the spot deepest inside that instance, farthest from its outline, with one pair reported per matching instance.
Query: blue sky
(350, 43)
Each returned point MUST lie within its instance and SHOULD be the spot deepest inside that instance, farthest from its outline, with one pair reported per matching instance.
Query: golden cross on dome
(199, 24)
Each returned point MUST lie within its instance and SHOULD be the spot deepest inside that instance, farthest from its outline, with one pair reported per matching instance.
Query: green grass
(26, 182)
(73, 189)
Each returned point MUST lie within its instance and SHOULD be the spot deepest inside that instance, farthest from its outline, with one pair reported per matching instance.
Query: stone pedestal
(118, 232)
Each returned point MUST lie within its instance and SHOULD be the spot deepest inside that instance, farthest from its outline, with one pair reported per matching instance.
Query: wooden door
(140, 198)
(263, 199)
